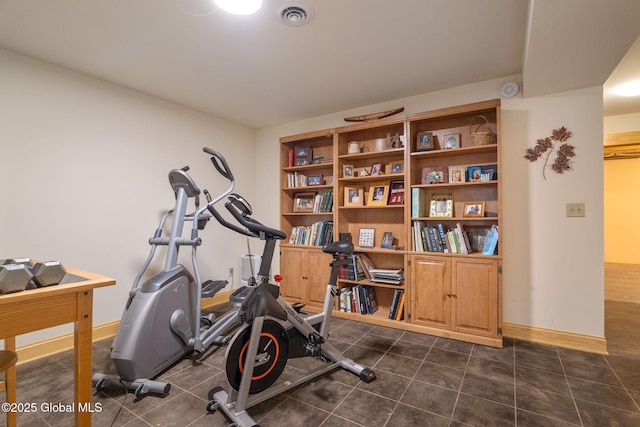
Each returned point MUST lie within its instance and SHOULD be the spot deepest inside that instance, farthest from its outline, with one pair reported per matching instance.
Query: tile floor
(422, 381)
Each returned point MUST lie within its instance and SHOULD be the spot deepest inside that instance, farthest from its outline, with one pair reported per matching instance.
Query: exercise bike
(162, 321)
(274, 330)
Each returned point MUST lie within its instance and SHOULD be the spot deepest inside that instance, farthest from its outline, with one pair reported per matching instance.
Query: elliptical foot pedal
(211, 287)
(241, 294)
(367, 375)
(298, 306)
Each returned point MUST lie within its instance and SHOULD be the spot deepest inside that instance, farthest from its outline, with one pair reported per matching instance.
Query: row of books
(297, 179)
(358, 299)
(396, 311)
(362, 268)
(323, 202)
(453, 240)
(317, 234)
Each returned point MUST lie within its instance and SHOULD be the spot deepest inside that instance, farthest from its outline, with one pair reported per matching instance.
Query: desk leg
(10, 378)
(82, 358)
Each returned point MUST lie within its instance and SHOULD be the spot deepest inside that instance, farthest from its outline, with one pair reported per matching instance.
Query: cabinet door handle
(448, 294)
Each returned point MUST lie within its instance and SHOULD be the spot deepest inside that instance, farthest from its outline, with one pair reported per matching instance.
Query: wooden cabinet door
(475, 290)
(430, 290)
(293, 267)
(318, 271)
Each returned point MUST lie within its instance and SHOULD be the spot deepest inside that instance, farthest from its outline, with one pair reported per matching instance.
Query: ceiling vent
(295, 13)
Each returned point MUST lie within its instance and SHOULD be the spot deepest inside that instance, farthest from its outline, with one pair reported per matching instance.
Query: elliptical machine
(162, 321)
(274, 330)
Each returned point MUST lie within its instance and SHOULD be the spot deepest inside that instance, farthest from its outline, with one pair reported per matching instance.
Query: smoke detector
(295, 13)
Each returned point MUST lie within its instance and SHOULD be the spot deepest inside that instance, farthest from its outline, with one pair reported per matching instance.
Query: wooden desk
(69, 302)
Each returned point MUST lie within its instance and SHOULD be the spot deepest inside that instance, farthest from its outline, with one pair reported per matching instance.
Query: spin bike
(274, 330)
(162, 321)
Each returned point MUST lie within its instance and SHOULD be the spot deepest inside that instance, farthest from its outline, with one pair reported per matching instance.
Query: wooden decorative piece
(374, 116)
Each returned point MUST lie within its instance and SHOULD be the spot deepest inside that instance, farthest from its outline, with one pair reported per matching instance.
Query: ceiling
(258, 72)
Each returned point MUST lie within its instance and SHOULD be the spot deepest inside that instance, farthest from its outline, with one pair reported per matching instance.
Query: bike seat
(342, 247)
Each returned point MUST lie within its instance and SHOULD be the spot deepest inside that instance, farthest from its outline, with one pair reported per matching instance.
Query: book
(394, 303)
(366, 264)
(400, 310)
(371, 298)
(418, 202)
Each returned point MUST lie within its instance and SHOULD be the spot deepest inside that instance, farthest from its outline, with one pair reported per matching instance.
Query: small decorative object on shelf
(397, 167)
(353, 195)
(376, 169)
(435, 175)
(303, 202)
(394, 141)
(314, 180)
(387, 240)
(303, 156)
(482, 138)
(474, 173)
(347, 171)
(554, 143)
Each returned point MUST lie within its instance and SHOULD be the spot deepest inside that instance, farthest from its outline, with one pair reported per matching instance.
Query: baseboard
(62, 343)
(570, 340)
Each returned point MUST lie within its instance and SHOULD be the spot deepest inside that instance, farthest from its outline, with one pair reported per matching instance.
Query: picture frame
(376, 169)
(378, 194)
(473, 209)
(424, 141)
(302, 156)
(435, 175)
(457, 174)
(441, 205)
(303, 202)
(451, 141)
(396, 167)
(347, 171)
(365, 237)
(489, 173)
(315, 180)
(387, 240)
(474, 173)
(397, 193)
(354, 195)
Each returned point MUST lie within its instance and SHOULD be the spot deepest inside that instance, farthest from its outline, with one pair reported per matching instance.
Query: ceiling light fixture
(295, 13)
(239, 7)
(631, 88)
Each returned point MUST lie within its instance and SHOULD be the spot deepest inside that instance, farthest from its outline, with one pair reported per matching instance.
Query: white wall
(553, 266)
(84, 167)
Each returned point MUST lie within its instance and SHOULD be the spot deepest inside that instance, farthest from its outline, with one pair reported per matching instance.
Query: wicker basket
(482, 138)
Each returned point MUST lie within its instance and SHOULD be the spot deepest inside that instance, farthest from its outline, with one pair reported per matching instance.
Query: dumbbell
(17, 274)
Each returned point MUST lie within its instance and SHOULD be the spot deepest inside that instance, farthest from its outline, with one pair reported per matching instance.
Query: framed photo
(303, 202)
(424, 141)
(397, 193)
(474, 174)
(314, 180)
(378, 194)
(457, 173)
(489, 173)
(435, 175)
(376, 169)
(387, 240)
(303, 156)
(397, 167)
(347, 171)
(451, 141)
(441, 205)
(354, 195)
(473, 209)
(365, 238)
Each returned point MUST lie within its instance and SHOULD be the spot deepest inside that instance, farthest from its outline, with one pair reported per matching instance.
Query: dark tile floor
(422, 381)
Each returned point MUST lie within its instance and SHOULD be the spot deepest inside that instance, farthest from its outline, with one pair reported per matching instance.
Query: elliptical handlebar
(254, 228)
(217, 159)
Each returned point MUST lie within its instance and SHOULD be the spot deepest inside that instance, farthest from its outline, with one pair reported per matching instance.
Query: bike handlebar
(252, 225)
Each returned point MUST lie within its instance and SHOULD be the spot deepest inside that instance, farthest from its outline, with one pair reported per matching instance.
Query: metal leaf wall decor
(556, 143)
